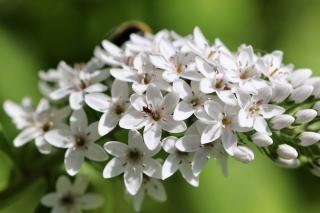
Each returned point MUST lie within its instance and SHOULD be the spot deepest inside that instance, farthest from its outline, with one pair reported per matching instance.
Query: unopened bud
(280, 92)
(286, 151)
(288, 163)
(261, 139)
(281, 121)
(305, 116)
(243, 154)
(309, 138)
(301, 93)
(316, 107)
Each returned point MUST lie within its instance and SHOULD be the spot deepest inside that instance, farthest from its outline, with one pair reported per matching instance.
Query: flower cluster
(180, 97)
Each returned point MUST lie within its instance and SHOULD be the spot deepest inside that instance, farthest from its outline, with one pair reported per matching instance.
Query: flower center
(80, 141)
(146, 78)
(244, 75)
(134, 155)
(180, 68)
(220, 84)
(82, 85)
(195, 102)
(67, 200)
(226, 121)
(46, 127)
(155, 115)
(118, 109)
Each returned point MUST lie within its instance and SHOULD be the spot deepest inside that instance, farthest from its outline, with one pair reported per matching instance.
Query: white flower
(280, 91)
(77, 82)
(255, 109)
(79, 141)
(261, 139)
(305, 116)
(316, 107)
(287, 152)
(35, 123)
(113, 108)
(71, 197)
(192, 100)
(309, 138)
(299, 76)
(133, 159)
(201, 46)
(300, 94)
(21, 115)
(222, 122)
(281, 121)
(141, 75)
(191, 142)
(154, 113)
(113, 55)
(241, 69)
(243, 153)
(288, 163)
(152, 187)
(178, 160)
(175, 63)
(216, 81)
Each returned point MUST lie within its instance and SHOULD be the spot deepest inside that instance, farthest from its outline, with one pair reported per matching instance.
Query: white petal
(213, 109)
(138, 102)
(26, 135)
(199, 161)
(227, 61)
(152, 135)
(297, 77)
(166, 49)
(192, 75)
(119, 90)
(244, 118)
(135, 140)
(182, 89)
(156, 190)
(169, 102)
(154, 96)
(111, 48)
(188, 175)
(90, 201)
(269, 110)
(159, 61)
(98, 101)
(50, 200)
(301, 93)
(95, 152)
(205, 68)
(170, 166)
(43, 105)
(132, 120)
(152, 168)
(183, 111)
(76, 100)
(170, 75)
(96, 88)
(60, 138)
(80, 184)
(43, 146)
(260, 125)
(227, 97)
(63, 184)
(133, 180)
(73, 161)
(78, 121)
(116, 148)
(229, 141)
(280, 91)
(107, 123)
(126, 75)
(243, 154)
(199, 38)
(168, 144)
(60, 93)
(211, 133)
(115, 167)
(92, 132)
(173, 126)
(188, 143)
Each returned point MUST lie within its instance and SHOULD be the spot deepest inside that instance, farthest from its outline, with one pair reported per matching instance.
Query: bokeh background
(36, 34)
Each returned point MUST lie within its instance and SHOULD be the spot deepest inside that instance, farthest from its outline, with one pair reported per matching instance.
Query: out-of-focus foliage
(36, 34)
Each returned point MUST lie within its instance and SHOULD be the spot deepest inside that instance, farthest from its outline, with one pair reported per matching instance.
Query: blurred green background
(36, 34)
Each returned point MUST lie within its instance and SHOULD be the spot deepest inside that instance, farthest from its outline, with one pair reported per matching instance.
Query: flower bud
(298, 76)
(301, 93)
(261, 139)
(309, 138)
(281, 121)
(286, 151)
(305, 116)
(316, 107)
(280, 92)
(288, 163)
(243, 154)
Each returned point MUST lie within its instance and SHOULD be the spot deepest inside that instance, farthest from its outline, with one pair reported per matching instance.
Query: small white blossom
(281, 121)
(243, 153)
(79, 141)
(133, 159)
(286, 151)
(35, 123)
(288, 163)
(113, 108)
(305, 116)
(261, 139)
(301, 93)
(309, 138)
(152, 187)
(154, 113)
(71, 197)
